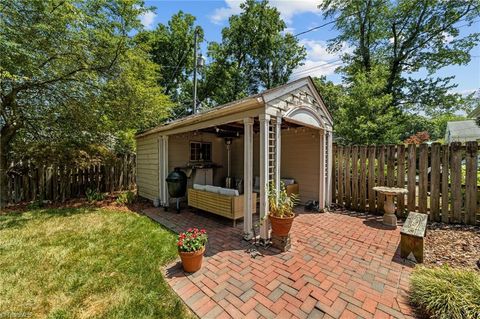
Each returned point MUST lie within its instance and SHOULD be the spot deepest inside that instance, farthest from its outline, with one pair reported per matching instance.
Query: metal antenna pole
(195, 71)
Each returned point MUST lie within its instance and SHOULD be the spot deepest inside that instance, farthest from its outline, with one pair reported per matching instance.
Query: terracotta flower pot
(192, 260)
(281, 226)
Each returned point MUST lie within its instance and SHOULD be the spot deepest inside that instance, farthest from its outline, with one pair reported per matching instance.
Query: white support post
(264, 187)
(329, 148)
(278, 153)
(322, 176)
(248, 177)
(165, 169)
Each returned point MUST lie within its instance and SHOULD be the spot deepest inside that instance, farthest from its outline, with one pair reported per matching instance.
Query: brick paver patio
(339, 266)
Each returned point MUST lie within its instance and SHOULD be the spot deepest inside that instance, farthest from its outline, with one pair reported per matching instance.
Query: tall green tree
(405, 37)
(255, 53)
(171, 47)
(59, 59)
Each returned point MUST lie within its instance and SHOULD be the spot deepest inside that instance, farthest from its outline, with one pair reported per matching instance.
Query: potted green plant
(191, 247)
(281, 212)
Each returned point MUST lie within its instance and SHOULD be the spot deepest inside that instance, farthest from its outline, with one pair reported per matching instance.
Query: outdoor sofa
(225, 202)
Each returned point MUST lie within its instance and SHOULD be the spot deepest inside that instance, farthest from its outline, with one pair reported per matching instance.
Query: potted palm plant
(281, 213)
(191, 247)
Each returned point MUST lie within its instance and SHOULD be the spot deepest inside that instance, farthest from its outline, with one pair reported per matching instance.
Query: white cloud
(319, 60)
(447, 38)
(287, 9)
(221, 14)
(147, 19)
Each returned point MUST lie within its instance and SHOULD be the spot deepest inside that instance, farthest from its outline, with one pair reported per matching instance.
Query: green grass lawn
(85, 263)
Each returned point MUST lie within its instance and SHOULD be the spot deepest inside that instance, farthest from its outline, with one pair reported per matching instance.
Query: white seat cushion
(200, 187)
(228, 192)
(213, 189)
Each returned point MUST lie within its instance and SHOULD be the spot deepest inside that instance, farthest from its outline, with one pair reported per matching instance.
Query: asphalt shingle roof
(462, 131)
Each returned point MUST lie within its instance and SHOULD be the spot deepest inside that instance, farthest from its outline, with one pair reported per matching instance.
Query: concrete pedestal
(389, 218)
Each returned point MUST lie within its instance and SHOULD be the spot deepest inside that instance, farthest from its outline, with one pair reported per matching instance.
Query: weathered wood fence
(27, 182)
(442, 180)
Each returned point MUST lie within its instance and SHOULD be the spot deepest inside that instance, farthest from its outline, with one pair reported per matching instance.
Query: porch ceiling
(235, 129)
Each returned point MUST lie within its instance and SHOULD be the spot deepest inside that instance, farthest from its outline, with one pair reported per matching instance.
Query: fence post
(471, 188)
(41, 181)
(134, 171)
(112, 177)
(456, 180)
(435, 183)
(445, 183)
(340, 175)
(33, 180)
(363, 177)
(334, 177)
(401, 177)
(125, 172)
(381, 176)
(71, 182)
(355, 177)
(423, 179)
(391, 165)
(348, 182)
(54, 182)
(25, 185)
(371, 178)
(412, 178)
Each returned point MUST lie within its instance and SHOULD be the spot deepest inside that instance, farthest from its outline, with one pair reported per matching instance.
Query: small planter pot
(192, 261)
(281, 226)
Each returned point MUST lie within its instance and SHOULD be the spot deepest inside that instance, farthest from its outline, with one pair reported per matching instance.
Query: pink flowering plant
(192, 240)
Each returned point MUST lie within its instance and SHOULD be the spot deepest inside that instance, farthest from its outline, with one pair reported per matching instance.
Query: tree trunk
(6, 135)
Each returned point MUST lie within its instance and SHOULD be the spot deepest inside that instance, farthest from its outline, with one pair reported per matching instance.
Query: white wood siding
(147, 166)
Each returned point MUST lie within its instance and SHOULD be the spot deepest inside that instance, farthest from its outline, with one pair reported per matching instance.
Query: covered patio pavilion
(282, 132)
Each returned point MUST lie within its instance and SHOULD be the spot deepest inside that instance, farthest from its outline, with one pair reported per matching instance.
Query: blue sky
(299, 15)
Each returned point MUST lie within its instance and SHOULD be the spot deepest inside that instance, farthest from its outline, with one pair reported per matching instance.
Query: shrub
(93, 195)
(125, 198)
(446, 293)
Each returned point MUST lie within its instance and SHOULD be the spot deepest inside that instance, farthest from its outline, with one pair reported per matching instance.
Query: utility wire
(315, 28)
(333, 21)
(351, 15)
(318, 66)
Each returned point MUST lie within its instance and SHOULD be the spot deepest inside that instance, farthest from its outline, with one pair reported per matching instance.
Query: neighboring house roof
(244, 104)
(462, 131)
(475, 113)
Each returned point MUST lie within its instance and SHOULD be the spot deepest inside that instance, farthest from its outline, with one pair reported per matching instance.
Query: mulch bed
(455, 245)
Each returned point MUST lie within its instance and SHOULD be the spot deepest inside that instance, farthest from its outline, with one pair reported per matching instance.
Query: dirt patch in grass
(455, 245)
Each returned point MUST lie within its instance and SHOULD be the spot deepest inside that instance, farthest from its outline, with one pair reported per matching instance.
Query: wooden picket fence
(442, 180)
(57, 183)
